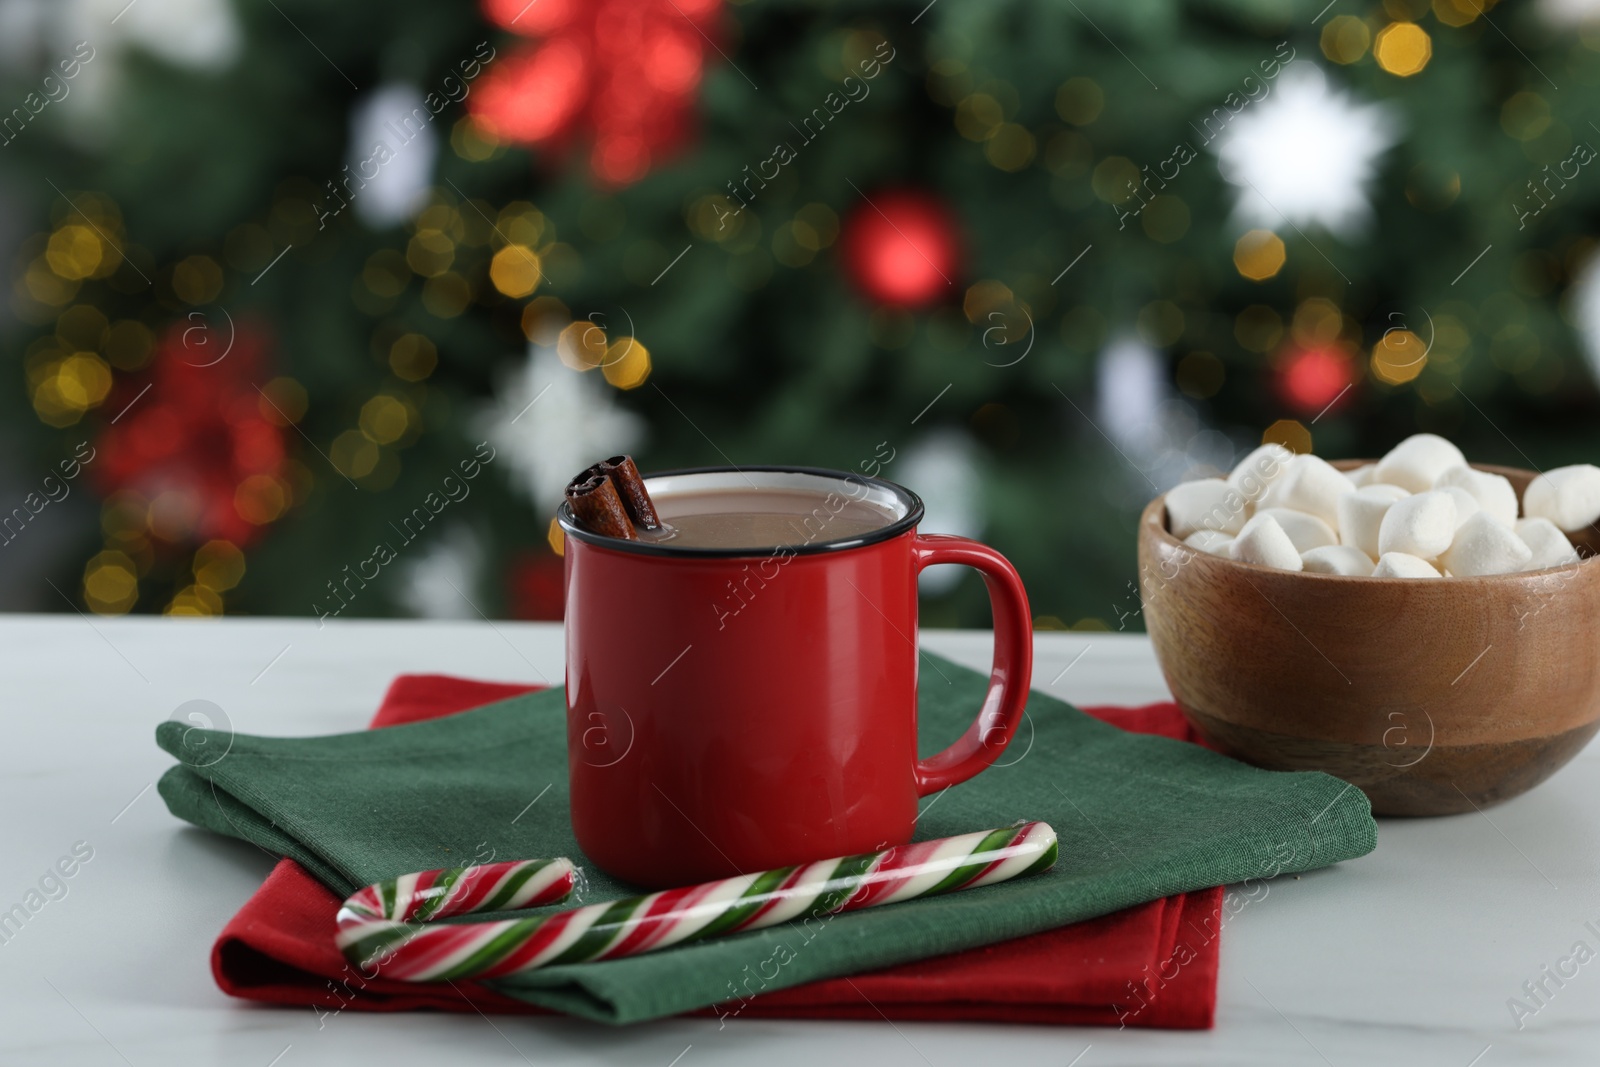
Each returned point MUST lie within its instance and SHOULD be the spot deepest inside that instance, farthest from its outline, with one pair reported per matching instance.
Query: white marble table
(1408, 955)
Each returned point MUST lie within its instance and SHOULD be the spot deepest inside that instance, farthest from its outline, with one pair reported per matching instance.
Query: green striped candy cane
(383, 926)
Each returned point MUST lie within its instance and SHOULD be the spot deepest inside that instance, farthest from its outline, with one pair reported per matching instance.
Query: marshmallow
(1493, 492)
(1548, 544)
(1415, 463)
(1567, 496)
(1338, 559)
(1310, 485)
(1362, 476)
(1401, 565)
(1212, 541)
(1208, 504)
(1262, 541)
(1423, 526)
(1361, 514)
(1258, 470)
(1484, 546)
(1466, 504)
(1305, 530)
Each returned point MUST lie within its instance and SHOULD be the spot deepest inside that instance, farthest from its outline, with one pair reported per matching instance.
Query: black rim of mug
(911, 501)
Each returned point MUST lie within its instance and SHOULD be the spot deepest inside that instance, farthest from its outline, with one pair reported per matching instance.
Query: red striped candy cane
(382, 925)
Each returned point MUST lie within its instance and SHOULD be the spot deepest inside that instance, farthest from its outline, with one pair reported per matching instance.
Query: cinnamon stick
(630, 487)
(595, 504)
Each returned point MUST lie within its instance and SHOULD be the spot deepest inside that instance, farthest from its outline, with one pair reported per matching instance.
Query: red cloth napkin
(1154, 965)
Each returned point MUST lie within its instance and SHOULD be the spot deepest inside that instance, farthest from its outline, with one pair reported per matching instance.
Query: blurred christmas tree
(335, 298)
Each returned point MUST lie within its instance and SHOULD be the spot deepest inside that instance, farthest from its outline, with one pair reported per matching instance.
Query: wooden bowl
(1433, 697)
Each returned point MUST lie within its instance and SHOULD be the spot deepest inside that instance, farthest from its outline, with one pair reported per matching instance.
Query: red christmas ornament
(900, 248)
(623, 72)
(191, 438)
(1311, 380)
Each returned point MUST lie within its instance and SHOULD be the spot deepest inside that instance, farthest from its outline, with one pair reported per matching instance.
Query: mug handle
(1002, 708)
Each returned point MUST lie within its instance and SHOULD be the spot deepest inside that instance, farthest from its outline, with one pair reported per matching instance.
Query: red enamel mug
(732, 711)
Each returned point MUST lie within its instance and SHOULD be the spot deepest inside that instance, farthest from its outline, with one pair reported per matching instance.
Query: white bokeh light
(1306, 154)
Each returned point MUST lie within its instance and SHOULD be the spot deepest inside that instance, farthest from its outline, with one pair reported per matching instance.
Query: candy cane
(381, 926)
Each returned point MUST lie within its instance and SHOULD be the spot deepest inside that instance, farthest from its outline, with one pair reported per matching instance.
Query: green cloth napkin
(1138, 818)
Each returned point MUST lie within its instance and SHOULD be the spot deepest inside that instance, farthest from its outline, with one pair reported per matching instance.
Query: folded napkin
(1138, 818)
(1126, 968)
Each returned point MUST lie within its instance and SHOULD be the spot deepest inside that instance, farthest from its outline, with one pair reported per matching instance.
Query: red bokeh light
(618, 73)
(901, 248)
(1312, 379)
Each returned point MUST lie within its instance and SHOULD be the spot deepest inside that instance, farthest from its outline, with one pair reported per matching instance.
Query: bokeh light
(1259, 255)
(514, 270)
(626, 364)
(1403, 48)
(1290, 433)
(1398, 357)
(1311, 380)
(1345, 39)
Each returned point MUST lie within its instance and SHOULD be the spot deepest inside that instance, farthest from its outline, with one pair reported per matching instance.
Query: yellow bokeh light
(218, 565)
(430, 253)
(354, 454)
(195, 600)
(1458, 12)
(543, 318)
(261, 498)
(64, 390)
(985, 297)
(384, 419)
(1403, 48)
(1345, 39)
(627, 364)
(197, 280)
(1080, 101)
(1525, 115)
(442, 217)
(472, 141)
(110, 584)
(1317, 322)
(283, 401)
(1010, 147)
(524, 224)
(582, 345)
(820, 222)
(978, 116)
(74, 252)
(794, 244)
(1259, 255)
(1290, 434)
(557, 539)
(806, 235)
(413, 357)
(1115, 179)
(446, 295)
(1398, 357)
(83, 380)
(1160, 323)
(515, 270)
(48, 287)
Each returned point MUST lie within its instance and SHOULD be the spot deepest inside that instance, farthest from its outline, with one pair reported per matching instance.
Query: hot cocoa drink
(762, 518)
